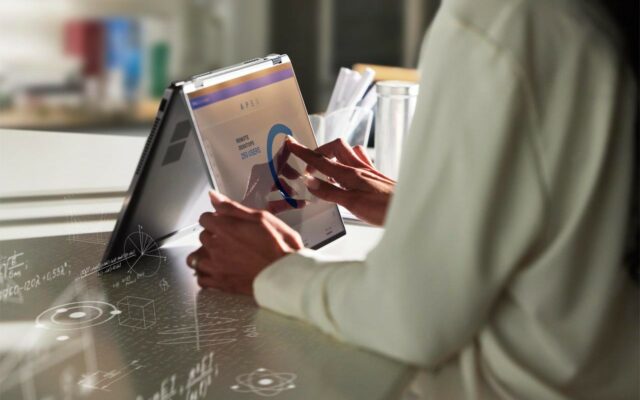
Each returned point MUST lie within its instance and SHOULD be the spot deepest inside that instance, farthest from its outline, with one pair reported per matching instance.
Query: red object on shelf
(85, 39)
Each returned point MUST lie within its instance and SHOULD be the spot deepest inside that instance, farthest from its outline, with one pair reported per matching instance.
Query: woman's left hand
(237, 244)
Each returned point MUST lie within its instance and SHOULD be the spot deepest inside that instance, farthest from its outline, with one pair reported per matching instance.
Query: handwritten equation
(106, 266)
(199, 379)
(102, 380)
(12, 291)
(127, 280)
(11, 267)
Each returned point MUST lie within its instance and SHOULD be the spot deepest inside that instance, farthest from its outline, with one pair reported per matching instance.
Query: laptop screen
(243, 119)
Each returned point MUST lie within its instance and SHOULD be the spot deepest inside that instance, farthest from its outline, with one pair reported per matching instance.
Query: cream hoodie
(499, 273)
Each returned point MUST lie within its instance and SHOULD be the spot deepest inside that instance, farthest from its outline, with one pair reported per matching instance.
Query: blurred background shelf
(140, 115)
(49, 46)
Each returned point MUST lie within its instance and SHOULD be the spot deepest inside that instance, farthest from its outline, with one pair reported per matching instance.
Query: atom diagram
(264, 382)
(78, 315)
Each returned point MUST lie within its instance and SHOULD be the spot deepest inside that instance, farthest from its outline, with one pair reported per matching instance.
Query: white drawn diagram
(250, 331)
(78, 315)
(90, 237)
(78, 223)
(264, 382)
(26, 374)
(47, 360)
(101, 380)
(148, 256)
(205, 331)
(198, 382)
(164, 285)
(136, 312)
(199, 378)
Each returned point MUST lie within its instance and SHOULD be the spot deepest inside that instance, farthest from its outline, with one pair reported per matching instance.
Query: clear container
(353, 124)
(396, 105)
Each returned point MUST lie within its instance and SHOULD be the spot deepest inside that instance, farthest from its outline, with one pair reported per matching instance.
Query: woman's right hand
(354, 182)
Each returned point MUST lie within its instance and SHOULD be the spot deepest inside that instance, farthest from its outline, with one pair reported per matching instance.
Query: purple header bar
(223, 94)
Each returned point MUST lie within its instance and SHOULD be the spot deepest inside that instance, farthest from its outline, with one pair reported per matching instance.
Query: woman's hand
(354, 182)
(260, 185)
(237, 243)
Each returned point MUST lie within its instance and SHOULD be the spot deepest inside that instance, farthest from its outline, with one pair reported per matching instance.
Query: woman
(499, 273)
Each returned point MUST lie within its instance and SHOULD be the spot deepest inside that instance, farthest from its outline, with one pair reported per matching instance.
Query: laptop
(225, 130)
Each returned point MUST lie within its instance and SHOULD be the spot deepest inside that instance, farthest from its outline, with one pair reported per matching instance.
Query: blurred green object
(159, 69)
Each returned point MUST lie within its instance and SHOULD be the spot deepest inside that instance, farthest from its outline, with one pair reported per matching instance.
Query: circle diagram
(79, 315)
(278, 129)
(264, 382)
(147, 259)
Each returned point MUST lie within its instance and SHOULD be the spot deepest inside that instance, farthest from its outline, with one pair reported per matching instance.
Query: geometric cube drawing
(137, 312)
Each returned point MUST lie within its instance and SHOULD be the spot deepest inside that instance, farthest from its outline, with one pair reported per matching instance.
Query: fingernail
(215, 196)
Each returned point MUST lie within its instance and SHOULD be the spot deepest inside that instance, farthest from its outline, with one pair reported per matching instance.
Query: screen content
(243, 123)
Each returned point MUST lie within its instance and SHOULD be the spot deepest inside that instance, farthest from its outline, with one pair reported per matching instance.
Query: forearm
(395, 312)
(296, 286)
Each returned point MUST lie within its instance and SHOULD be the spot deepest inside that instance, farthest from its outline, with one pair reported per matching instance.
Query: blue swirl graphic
(276, 130)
